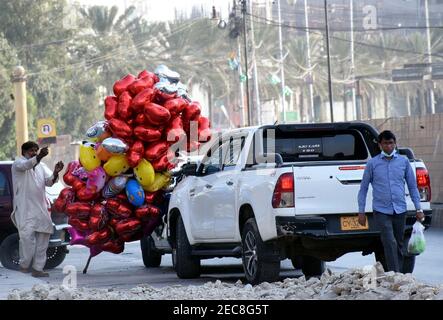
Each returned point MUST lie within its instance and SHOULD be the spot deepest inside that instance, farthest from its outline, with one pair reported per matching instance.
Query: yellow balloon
(144, 173)
(116, 165)
(88, 158)
(161, 181)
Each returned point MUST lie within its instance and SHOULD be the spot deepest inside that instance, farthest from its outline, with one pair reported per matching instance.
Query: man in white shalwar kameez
(30, 214)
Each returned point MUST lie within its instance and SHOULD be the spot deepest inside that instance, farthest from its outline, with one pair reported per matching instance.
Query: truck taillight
(423, 184)
(283, 196)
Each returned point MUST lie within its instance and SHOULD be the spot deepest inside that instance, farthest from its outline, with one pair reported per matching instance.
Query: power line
(113, 53)
(274, 23)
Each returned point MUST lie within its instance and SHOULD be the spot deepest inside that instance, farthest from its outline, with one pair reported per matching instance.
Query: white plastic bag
(417, 243)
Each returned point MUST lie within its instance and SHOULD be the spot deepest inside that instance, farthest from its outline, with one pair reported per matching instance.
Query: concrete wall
(424, 134)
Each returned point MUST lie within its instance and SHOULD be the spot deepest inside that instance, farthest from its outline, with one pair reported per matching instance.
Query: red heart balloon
(156, 115)
(161, 97)
(111, 103)
(98, 237)
(204, 131)
(118, 209)
(175, 106)
(145, 96)
(191, 111)
(123, 84)
(66, 196)
(140, 119)
(156, 150)
(78, 210)
(87, 194)
(124, 101)
(120, 128)
(145, 73)
(127, 225)
(147, 212)
(175, 130)
(162, 164)
(79, 224)
(139, 85)
(113, 246)
(133, 158)
(154, 197)
(147, 134)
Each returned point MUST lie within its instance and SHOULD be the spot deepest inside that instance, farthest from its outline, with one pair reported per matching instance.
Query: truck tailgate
(328, 189)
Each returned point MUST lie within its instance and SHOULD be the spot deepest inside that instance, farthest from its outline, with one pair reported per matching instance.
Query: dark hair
(386, 135)
(28, 146)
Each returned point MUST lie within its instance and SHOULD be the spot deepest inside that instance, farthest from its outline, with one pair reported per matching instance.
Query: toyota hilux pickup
(284, 191)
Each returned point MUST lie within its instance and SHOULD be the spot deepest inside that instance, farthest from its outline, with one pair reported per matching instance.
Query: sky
(162, 10)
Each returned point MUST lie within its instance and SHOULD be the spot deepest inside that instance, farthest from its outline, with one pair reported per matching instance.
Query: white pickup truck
(270, 193)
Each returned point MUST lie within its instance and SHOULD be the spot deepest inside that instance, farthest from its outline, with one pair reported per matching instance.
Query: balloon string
(87, 265)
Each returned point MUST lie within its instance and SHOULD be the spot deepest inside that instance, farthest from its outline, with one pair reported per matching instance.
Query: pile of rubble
(362, 284)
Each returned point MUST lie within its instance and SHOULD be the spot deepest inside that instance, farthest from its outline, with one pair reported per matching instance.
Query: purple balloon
(94, 250)
(77, 237)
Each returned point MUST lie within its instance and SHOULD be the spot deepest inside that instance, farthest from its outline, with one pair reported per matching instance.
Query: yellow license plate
(350, 223)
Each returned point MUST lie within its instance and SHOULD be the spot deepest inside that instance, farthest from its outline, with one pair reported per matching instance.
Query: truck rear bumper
(328, 226)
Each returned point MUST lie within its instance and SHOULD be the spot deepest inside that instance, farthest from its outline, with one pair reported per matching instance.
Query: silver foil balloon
(114, 186)
(165, 86)
(163, 71)
(97, 129)
(114, 145)
(182, 91)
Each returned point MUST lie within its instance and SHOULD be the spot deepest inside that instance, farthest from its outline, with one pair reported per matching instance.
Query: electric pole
(329, 62)
(428, 36)
(244, 10)
(354, 104)
(282, 71)
(21, 112)
(308, 45)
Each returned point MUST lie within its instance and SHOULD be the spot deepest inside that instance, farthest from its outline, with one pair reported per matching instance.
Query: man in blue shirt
(387, 172)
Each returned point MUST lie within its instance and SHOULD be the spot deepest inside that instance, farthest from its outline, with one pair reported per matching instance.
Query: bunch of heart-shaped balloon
(116, 189)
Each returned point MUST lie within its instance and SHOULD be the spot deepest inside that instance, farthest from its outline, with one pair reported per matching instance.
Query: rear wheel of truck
(186, 266)
(312, 267)
(259, 261)
(55, 256)
(10, 257)
(151, 257)
(9, 254)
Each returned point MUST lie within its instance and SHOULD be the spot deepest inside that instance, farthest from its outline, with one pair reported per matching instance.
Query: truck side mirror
(190, 169)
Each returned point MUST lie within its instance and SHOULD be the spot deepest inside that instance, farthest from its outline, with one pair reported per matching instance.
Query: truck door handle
(229, 182)
(208, 186)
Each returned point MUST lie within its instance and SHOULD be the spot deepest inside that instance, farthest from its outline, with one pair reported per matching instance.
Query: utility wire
(275, 24)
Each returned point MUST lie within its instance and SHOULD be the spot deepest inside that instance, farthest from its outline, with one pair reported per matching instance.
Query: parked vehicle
(269, 193)
(9, 239)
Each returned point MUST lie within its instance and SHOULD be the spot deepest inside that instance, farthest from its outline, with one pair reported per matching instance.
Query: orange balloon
(103, 154)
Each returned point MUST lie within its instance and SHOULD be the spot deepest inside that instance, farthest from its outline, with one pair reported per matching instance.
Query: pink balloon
(97, 179)
(79, 171)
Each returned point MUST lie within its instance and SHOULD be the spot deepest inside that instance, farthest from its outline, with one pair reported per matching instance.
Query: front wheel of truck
(186, 265)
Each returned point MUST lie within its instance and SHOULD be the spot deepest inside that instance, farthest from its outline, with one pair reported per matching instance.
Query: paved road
(127, 270)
